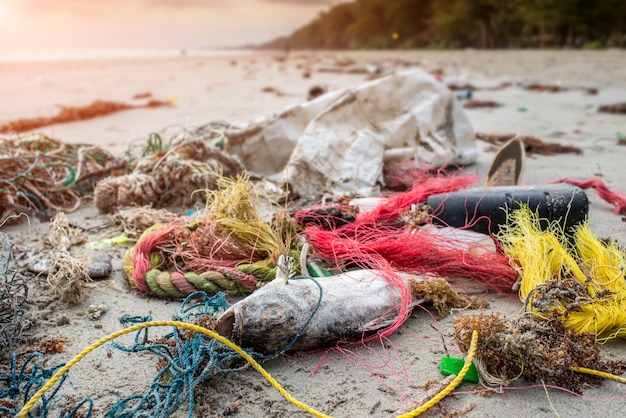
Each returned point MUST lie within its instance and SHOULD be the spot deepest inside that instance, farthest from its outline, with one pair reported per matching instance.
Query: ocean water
(35, 55)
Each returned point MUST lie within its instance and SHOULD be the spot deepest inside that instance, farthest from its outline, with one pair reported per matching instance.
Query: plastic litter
(464, 95)
(453, 365)
(485, 209)
(340, 142)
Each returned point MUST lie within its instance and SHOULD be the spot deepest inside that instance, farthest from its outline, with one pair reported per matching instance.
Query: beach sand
(377, 382)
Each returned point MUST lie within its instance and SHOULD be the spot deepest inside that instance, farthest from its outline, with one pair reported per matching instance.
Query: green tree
(464, 23)
(411, 21)
(334, 27)
(480, 23)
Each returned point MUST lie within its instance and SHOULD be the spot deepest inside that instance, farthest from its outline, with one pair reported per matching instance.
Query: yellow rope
(598, 373)
(545, 389)
(457, 380)
(193, 327)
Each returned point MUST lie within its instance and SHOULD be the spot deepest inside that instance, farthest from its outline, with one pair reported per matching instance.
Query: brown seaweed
(532, 145)
(533, 350)
(617, 108)
(471, 104)
(73, 114)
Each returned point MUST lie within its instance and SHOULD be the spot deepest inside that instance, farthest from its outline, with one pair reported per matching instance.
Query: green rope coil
(160, 282)
(202, 283)
(165, 283)
(153, 284)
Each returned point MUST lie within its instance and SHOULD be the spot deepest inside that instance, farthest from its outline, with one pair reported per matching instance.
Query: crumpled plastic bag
(340, 142)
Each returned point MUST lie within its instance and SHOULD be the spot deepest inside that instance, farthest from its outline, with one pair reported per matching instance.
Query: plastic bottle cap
(453, 365)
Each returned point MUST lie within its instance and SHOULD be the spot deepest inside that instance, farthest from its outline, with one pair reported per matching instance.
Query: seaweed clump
(533, 350)
(532, 145)
(440, 294)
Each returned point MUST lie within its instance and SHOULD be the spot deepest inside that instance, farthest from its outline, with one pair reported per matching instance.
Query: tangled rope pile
(167, 175)
(40, 175)
(13, 300)
(576, 278)
(226, 246)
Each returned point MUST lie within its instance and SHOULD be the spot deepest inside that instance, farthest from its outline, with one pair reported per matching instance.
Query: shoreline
(32, 55)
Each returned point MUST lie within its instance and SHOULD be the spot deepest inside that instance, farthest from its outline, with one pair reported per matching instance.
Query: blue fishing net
(13, 299)
(23, 377)
(186, 358)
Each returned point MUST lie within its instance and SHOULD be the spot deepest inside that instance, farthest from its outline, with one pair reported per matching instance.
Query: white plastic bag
(339, 142)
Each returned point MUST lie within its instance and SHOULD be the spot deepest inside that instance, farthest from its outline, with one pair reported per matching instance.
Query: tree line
(395, 24)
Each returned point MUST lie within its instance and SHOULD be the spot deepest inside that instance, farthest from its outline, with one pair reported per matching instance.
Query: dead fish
(320, 312)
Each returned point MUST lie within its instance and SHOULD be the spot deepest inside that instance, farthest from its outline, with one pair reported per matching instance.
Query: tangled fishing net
(40, 175)
(21, 378)
(168, 175)
(575, 277)
(184, 360)
(13, 300)
(226, 246)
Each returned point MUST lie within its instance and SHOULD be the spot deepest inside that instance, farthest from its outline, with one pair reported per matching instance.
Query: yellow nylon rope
(457, 380)
(599, 373)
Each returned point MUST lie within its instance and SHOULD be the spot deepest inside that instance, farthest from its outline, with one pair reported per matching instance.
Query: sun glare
(4, 12)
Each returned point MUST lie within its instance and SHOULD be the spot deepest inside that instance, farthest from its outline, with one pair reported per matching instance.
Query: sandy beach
(379, 381)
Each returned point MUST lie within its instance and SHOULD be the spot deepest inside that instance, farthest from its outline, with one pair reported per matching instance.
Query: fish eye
(273, 312)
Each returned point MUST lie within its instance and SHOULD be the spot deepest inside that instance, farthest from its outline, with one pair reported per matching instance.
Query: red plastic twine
(372, 242)
(616, 199)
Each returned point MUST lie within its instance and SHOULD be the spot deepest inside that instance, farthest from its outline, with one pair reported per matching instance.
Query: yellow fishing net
(572, 275)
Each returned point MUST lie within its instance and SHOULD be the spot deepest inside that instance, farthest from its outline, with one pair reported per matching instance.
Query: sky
(62, 24)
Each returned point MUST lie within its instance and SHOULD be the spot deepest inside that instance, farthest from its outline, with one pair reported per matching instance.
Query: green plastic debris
(453, 365)
(109, 242)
